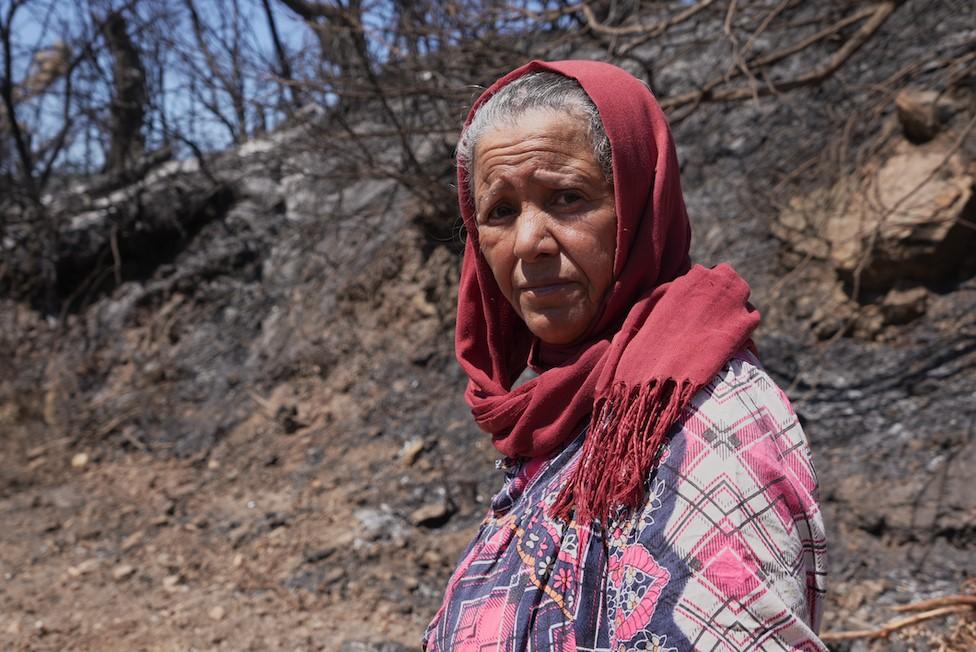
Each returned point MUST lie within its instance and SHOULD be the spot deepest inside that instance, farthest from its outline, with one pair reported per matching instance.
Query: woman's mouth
(542, 290)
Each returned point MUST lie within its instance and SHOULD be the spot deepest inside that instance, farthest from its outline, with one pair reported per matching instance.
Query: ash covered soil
(256, 438)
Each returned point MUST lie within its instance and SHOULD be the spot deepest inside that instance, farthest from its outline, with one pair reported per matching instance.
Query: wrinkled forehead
(549, 133)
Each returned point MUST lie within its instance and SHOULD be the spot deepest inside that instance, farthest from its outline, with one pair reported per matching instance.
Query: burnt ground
(255, 437)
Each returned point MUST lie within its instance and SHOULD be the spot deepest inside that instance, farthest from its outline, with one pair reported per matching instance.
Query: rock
(80, 460)
(423, 306)
(333, 575)
(432, 514)
(316, 556)
(901, 306)
(923, 113)
(216, 613)
(64, 497)
(133, 220)
(377, 524)
(868, 322)
(84, 568)
(901, 218)
(132, 540)
(400, 385)
(363, 646)
(50, 525)
(431, 559)
(411, 451)
(917, 115)
(287, 417)
(122, 572)
(171, 582)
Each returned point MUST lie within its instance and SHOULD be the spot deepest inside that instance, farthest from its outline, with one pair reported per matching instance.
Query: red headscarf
(665, 327)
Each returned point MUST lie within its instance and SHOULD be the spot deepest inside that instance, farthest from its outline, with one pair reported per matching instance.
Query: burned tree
(128, 108)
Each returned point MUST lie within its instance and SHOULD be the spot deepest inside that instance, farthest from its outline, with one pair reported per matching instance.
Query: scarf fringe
(626, 435)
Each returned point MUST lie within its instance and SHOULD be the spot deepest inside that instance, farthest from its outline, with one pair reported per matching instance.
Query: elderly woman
(659, 493)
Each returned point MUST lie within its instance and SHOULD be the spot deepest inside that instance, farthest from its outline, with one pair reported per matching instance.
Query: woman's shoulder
(730, 520)
(732, 511)
(742, 430)
(742, 392)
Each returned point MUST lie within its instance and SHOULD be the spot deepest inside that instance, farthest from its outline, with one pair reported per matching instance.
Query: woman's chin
(558, 327)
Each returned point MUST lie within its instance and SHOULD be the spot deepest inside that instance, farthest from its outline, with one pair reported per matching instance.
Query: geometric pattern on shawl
(727, 552)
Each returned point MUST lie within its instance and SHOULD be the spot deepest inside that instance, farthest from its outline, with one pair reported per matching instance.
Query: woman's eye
(499, 212)
(568, 198)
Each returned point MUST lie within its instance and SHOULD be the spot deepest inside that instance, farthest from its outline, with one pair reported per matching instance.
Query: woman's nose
(532, 235)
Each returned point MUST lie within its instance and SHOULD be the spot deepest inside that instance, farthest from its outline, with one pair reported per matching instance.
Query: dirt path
(249, 548)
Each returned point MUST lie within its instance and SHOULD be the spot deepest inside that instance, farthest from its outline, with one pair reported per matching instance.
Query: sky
(38, 23)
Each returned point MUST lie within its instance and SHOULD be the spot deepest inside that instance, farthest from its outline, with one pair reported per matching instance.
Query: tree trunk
(128, 109)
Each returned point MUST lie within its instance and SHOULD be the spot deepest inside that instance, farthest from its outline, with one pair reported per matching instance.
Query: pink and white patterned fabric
(727, 553)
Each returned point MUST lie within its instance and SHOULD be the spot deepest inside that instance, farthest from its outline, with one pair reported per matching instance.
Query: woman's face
(546, 222)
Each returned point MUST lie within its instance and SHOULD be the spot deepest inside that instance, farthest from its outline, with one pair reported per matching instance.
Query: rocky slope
(246, 429)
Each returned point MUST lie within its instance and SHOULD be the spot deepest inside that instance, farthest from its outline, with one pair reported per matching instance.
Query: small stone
(132, 540)
(917, 114)
(868, 322)
(238, 560)
(333, 575)
(411, 451)
(364, 646)
(431, 515)
(83, 568)
(400, 385)
(122, 572)
(431, 559)
(901, 306)
(287, 418)
(171, 582)
(423, 305)
(80, 460)
(217, 613)
(213, 465)
(51, 525)
(13, 628)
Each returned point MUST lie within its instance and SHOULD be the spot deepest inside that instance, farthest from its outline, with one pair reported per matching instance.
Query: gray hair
(534, 91)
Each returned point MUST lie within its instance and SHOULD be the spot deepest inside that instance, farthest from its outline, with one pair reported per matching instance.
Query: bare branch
(894, 625)
(878, 15)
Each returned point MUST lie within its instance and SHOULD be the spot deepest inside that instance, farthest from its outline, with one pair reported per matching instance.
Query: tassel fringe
(626, 435)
